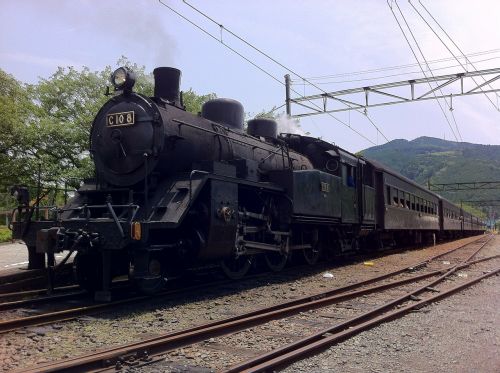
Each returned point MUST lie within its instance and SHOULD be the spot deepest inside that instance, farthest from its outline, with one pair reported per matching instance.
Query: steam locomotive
(173, 190)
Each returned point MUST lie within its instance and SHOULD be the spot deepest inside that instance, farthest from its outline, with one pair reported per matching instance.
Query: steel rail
(150, 356)
(73, 313)
(298, 349)
(49, 298)
(326, 339)
(19, 294)
(28, 279)
(143, 349)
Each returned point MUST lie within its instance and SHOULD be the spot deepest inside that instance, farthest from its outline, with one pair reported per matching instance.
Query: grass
(5, 234)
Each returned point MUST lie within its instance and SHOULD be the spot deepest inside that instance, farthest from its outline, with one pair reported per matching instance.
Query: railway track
(47, 315)
(149, 351)
(29, 298)
(88, 307)
(30, 280)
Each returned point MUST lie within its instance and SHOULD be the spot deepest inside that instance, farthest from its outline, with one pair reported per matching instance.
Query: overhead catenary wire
(430, 71)
(222, 27)
(449, 50)
(259, 67)
(301, 82)
(399, 67)
(416, 58)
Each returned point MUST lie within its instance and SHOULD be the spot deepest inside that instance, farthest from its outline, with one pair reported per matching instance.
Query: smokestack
(167, 84)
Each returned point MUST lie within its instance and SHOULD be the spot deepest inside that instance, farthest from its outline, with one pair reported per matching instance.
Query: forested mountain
(441, 161)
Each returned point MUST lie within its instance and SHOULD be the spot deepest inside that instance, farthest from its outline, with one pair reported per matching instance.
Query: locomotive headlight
(123, 79)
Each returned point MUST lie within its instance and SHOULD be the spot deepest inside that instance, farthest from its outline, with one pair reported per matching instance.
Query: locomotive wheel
(236, 268)
(156, 282)
(312, 254)
(275, 261)
(150, 286)
(88, 271)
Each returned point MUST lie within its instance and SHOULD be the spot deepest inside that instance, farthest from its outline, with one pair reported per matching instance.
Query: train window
(394, 196)
(368, 175)
(412, 197)
(425, 206)
(349, 175)
(402, 199)
(407, 197)
(388, 195)
(344, 174)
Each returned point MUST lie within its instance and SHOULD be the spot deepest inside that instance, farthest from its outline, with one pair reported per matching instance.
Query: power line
(431, 72)
(449, 50)
(416, 58)
(222, 27)
(398, 67)
(220, 41)
(301, 82)
(260, 68)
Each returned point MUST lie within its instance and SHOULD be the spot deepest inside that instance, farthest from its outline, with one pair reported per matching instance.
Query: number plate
(126, 118)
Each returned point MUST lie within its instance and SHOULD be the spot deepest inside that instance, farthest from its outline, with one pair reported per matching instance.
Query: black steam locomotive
(173, 190)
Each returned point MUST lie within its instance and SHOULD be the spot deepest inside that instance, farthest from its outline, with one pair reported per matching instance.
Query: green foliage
(49, 123)
(15, 110)
(441, 161)
(193, 102)
(271, 114)
(5, 234)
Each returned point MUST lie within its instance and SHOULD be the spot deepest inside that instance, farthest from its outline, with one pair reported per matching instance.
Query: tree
(49, 123)
(193, 102)
(16, 109)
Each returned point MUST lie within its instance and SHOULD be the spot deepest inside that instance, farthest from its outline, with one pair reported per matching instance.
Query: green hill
(441, 161)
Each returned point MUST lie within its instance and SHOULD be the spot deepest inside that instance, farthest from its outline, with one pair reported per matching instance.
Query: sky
(335, 39)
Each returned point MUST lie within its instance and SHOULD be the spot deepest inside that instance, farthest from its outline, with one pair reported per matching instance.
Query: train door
(366, 194)
(349, 194)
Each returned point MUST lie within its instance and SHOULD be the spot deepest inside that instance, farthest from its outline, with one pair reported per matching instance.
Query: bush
(5, 234)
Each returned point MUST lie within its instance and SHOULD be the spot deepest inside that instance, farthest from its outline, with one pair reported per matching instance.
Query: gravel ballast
(399, 348)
